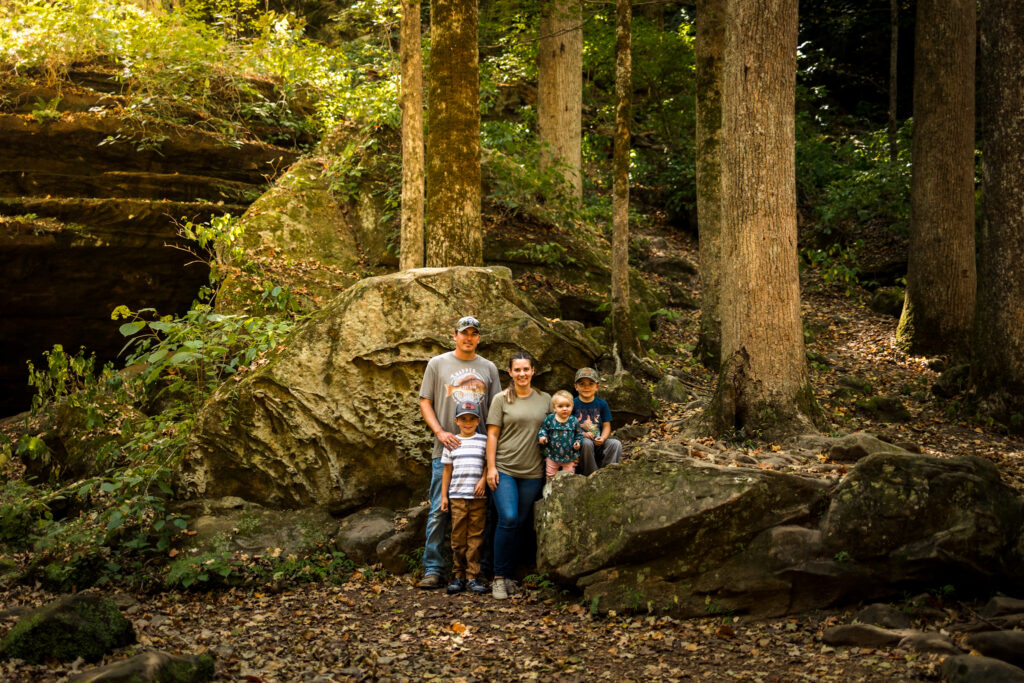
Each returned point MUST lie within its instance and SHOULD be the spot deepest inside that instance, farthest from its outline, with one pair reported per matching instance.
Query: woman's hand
(492, 478)
(491, 451)
(543, 441)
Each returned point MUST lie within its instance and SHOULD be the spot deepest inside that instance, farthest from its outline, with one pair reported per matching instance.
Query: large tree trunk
(710, 44)
(762, 386)
(894, 46)
(560, 90)
(412, 249)
(938, 312)
(454, 234)
(623, 332)
(999, 339)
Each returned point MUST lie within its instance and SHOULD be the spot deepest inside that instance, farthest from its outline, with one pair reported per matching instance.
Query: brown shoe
(431, 582)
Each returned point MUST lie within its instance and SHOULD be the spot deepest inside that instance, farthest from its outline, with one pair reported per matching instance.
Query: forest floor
(380, 627)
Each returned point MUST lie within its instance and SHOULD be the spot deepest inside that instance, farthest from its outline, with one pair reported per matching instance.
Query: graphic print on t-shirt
(466, 385)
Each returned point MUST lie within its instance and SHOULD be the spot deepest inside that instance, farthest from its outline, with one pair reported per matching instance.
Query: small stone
(930, 642)
(971, 669)
(864, 635)
(1005, 645)
(881, 614)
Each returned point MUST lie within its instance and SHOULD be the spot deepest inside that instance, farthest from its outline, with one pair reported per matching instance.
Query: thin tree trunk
(894, 45)
(622, 325)
(938, 312)
(710, 44)
(412, 249)
(998, 372)
(560, 90)
(762, 386)
(454, 233)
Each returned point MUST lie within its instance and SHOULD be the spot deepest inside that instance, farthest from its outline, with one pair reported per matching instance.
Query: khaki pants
(469, 516)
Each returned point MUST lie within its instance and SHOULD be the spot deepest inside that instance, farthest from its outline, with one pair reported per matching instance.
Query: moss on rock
(83, 625)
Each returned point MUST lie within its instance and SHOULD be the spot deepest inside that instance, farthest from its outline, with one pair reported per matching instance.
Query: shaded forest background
(294, 75)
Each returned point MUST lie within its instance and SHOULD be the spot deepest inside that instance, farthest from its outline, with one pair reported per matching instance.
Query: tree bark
(623, 332)
(762, 386)
(938, 312)
(710, 45)
(894, 45)
(998, 371)
(560, 91)
(412, 248)
(454, 233)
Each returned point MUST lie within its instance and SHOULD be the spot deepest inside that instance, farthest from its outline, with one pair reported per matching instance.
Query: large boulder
(334, 417)
(82, 625)
(666, 532)
(925, 518)
(658, 531)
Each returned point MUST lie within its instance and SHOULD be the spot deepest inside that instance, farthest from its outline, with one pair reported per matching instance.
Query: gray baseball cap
(587, 373)
(466, 323)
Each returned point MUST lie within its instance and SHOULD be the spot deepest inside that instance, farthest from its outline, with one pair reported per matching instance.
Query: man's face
(467, 340)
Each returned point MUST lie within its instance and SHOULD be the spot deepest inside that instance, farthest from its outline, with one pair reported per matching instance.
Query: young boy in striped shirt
(463, 494)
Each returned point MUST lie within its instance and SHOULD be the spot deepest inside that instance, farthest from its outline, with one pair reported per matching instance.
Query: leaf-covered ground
(381, 628)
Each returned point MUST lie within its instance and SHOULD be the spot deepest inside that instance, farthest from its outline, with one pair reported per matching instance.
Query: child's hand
(481, 485)
(576, 445)
(444, 503)
(543, 441)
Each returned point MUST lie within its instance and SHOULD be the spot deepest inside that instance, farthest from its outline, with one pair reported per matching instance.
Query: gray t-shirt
(449, 381)
(518, 453)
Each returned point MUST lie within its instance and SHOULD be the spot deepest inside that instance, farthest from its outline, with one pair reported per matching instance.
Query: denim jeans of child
(514, 499)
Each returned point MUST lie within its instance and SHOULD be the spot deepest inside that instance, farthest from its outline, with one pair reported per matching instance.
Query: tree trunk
(998, 374)
(623, 332)
(710, 44)
(454, 234)
(894, 45)
(560, 90)
(762, 387)
(938, 312)
(412, 137)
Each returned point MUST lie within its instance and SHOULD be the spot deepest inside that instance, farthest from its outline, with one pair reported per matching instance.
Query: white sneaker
(499, 591)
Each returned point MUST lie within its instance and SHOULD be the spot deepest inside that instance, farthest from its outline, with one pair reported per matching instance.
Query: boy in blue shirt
(595, 419)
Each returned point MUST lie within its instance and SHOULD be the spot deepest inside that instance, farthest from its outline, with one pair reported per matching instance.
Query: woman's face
(521, 372)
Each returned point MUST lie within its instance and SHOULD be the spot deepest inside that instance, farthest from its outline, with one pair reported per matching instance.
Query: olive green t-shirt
(518, 453)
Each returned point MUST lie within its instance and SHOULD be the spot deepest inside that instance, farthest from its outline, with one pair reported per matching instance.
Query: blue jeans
(437, 523)
(513, 499)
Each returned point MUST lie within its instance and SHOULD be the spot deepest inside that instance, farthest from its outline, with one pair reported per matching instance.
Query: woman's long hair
(510, 390)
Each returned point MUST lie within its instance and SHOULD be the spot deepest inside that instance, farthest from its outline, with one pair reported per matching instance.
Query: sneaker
(431, 582)
(498, 589)
(456, 586)
(477, 586)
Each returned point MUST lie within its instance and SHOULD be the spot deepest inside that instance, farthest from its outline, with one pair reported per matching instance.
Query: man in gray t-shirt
(451, 378)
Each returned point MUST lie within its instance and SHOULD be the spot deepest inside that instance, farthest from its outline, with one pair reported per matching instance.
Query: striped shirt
(467, 463)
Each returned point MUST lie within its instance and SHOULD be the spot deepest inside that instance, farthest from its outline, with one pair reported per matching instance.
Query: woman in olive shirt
(515, 469)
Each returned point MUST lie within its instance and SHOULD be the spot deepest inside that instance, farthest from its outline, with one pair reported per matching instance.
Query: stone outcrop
(334, 417)
(82, 625)
(89, 204)
(672, 533)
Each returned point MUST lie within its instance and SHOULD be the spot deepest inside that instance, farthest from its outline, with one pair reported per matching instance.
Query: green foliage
(836, 264)
(46, 110)
(218, 566)
(548, 253)
(195, 65)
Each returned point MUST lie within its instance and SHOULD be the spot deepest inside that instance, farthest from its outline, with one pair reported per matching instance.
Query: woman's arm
(493, 431)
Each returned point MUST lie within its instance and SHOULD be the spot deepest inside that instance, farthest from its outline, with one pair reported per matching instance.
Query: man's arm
(447, 439)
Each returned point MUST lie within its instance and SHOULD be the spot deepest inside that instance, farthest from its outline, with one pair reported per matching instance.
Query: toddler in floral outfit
(560, 436)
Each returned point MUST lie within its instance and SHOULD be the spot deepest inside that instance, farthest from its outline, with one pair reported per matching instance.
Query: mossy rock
(884, 408)
(83, 625)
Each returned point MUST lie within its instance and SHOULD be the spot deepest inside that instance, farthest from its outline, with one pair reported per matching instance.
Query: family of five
(493, 451)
